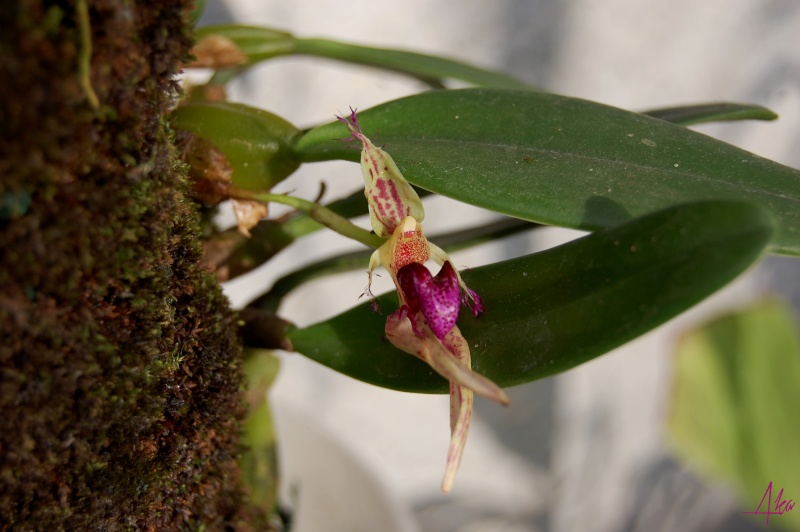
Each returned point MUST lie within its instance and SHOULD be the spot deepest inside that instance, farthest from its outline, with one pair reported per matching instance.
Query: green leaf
(735, 403)
(562, 161)
(197, 11)
(553, 310)
(711, 112)
(256, 143)
(258, 461)
(259, 44)
(421, 66)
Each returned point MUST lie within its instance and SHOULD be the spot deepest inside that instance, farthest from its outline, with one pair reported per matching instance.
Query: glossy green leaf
(256, 143)
(688, 115)
(259, 44)
(736, 402)
(562, 161)
(553, 310)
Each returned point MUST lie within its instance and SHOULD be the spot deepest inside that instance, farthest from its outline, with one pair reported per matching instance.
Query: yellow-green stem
(85, 55)
(318, 213)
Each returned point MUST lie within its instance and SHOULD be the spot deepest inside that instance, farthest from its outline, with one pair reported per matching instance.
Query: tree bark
(119, 359)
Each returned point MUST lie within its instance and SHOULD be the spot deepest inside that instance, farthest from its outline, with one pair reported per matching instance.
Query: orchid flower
(425, 323)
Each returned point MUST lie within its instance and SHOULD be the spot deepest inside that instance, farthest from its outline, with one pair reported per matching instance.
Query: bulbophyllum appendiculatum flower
(425, 324)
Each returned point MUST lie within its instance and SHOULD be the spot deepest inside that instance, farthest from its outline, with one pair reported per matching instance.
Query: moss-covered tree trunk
(120, 398)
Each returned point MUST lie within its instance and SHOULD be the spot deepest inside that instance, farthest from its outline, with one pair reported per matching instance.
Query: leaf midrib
(700, 177)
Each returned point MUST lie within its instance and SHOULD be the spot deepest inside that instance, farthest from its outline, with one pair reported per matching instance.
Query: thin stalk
(85, 54)
(316, 212)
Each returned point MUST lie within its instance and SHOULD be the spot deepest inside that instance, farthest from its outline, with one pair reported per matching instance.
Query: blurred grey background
(584, 450)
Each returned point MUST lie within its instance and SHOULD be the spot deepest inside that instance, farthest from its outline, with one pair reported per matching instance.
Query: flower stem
(316, 212)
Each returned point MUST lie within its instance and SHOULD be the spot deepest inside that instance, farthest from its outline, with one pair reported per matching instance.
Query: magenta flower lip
(438, 298)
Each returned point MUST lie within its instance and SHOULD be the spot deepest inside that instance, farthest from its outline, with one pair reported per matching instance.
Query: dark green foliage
(562, 161)
(551, 311)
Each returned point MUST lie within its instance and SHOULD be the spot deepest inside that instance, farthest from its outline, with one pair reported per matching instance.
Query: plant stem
(85, 55)
(317, 212)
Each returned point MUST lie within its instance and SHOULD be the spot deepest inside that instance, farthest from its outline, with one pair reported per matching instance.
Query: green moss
(119, 366)
(52, 20)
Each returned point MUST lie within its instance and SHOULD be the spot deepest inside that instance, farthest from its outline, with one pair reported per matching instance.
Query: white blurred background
(580, 451)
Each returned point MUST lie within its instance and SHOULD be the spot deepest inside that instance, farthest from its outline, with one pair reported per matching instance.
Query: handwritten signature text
(781, 505)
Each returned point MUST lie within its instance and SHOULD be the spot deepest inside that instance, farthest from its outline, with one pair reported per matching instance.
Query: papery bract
(248, 214)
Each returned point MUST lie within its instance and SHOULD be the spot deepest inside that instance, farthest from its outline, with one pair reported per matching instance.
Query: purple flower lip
(437, 298)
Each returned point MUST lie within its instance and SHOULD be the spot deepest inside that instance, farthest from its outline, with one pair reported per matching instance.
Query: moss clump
(119, 362)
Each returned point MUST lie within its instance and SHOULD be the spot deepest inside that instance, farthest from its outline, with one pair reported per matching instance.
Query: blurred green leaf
(562, 161)
(255, 143)
(736, 401)
(422, 66)
(197, 11)
(554, 310)
(688, 115)
(259, 44)
(258, 461)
